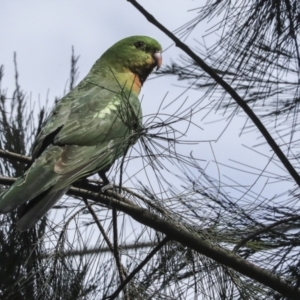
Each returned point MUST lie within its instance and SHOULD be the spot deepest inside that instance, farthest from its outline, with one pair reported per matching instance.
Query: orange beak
(158, 59)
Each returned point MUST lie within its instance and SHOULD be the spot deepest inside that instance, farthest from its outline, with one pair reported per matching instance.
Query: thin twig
(97, 250)
(116, 250)
(100, 227)
(262, 230)
(138, 268)
(15, 156)
(289, 167)
(191, 239)
(108, 242)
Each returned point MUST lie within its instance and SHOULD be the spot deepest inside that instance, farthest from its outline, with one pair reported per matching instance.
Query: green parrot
(88, 129)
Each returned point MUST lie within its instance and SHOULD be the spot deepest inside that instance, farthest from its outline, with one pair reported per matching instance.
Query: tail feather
(36, 212)
(25, 189)
(39, 178)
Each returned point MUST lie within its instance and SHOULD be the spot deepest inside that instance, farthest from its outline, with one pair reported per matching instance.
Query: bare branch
(15, 156)
(190, 239)
(289, 167)
(138, 268)
(98, 250)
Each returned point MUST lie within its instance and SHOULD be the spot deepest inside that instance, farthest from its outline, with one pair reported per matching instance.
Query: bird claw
(106, 187)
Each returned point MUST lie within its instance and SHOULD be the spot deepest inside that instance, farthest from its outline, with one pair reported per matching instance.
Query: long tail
(38, 183)
(36, 212)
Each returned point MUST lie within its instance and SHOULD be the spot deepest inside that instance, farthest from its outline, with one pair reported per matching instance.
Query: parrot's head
(133, 59)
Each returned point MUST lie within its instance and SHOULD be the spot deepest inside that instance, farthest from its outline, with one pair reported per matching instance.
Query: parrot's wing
(39, 178)
(92, 136)
(86, 116)
(89, 128)
(53, 124)
(107, 133)
(73, 163)
(100, 126)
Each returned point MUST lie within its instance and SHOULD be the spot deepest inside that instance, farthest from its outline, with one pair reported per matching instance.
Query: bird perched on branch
(88, 129)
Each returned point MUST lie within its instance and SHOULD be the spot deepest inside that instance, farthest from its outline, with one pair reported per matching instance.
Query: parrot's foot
(106, 187)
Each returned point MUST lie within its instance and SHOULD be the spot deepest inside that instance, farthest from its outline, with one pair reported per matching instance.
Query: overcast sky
(43, 32)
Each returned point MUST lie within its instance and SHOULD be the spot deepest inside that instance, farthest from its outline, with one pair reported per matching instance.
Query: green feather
(88, 130)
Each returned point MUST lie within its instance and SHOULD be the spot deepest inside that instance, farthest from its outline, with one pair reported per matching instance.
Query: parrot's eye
(139, 44)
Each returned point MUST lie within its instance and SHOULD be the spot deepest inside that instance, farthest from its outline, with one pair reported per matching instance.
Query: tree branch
(113, 248)
(117, 253)
(100, 227)
(262, 230)
(178, 232)
(15, 156)
(137, 269)
(98, 250)
(226, 87)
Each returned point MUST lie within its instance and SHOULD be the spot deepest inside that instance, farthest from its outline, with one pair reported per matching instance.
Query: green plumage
(89, 128)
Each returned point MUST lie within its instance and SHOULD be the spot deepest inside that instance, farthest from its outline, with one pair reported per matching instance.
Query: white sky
(43, 32)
